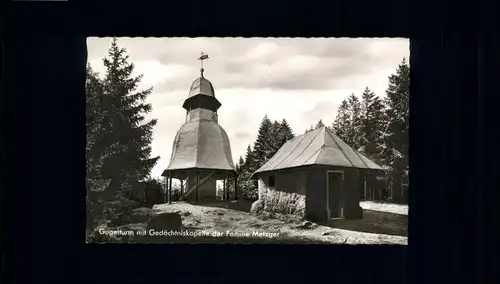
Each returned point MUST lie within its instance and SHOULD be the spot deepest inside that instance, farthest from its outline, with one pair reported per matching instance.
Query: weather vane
(201, 58)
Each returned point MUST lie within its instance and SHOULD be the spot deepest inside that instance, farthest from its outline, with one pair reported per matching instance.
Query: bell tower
(201, 97)
(201, 152)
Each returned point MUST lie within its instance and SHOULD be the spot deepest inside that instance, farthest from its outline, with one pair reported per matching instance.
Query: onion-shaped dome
(201, 143)
(201, 86)
(201, 94)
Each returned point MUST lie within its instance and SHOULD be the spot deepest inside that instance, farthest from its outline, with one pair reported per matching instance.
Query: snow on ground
(385, 207)
(199, 217)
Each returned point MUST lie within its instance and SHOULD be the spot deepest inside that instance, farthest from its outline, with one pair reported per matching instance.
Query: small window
(271, 181)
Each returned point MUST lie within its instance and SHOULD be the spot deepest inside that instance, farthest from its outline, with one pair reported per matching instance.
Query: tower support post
(224, 189)
(182, 188)
(197, 187)
(170, 189)
(235, 187)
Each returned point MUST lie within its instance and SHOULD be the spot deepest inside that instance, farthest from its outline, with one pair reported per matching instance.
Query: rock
(165, 221)
(329, 233)
(140, 215)
(305, 225)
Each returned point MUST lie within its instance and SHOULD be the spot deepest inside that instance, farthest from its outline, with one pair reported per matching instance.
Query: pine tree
(127, 108)
(95, 124)
(397, 113)
(319, 124)
(118, 138)
(286, 132)
(98, 193)
(263, 147)
(342, 123)
(250, 164)
(355, 126)
(240, 164)
(372, 125)
(275, 137)
(247, 187)
(310, 129)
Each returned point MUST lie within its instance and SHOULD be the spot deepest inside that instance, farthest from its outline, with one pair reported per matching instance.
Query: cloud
(289, 64)
(301, 80)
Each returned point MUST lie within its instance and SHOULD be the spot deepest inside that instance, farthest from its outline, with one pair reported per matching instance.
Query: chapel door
(334, 195)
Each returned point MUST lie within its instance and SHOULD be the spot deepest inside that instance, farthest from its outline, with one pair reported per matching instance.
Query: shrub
(153, 192)
(106, 201)
(248, 189)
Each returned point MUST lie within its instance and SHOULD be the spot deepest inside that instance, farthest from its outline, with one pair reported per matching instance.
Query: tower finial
(201, 58)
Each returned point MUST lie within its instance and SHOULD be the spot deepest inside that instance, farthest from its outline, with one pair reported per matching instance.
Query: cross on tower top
(201, 58)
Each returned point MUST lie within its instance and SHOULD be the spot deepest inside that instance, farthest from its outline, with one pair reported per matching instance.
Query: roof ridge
(341, 150)
(361, 158)
(304, 148)
(322, 146)
(320, 149)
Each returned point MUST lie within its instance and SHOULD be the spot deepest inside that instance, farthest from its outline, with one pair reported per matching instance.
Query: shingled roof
(317, 147)
(203, 144)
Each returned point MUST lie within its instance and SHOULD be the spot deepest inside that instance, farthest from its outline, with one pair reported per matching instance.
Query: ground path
(221, 218)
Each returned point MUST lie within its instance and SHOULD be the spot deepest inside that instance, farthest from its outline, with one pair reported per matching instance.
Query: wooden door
(335, 195)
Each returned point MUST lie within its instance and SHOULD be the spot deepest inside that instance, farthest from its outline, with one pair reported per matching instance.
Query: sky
(299, 79)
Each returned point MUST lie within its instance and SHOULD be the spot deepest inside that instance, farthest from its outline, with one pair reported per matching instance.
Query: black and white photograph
(247, 140)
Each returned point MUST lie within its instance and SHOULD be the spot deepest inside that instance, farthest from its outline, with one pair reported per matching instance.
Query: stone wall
(287, 196)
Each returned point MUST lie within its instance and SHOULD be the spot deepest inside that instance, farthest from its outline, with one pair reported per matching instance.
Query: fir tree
(240, 164)
(118, 138)
(247, 187)
(95, 124)
(263, 147)
(275, 137)
(397, 113)
(310, 129)
(372, 125)
(319, 124)
(355, 125)
(286, 132)
(250, 163)
(342, 122)
(127, 108)
(98, 193)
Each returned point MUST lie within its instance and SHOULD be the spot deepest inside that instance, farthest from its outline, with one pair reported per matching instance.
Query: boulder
(330, 233)
(140, 215)
(305, 225)
(165, 221)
